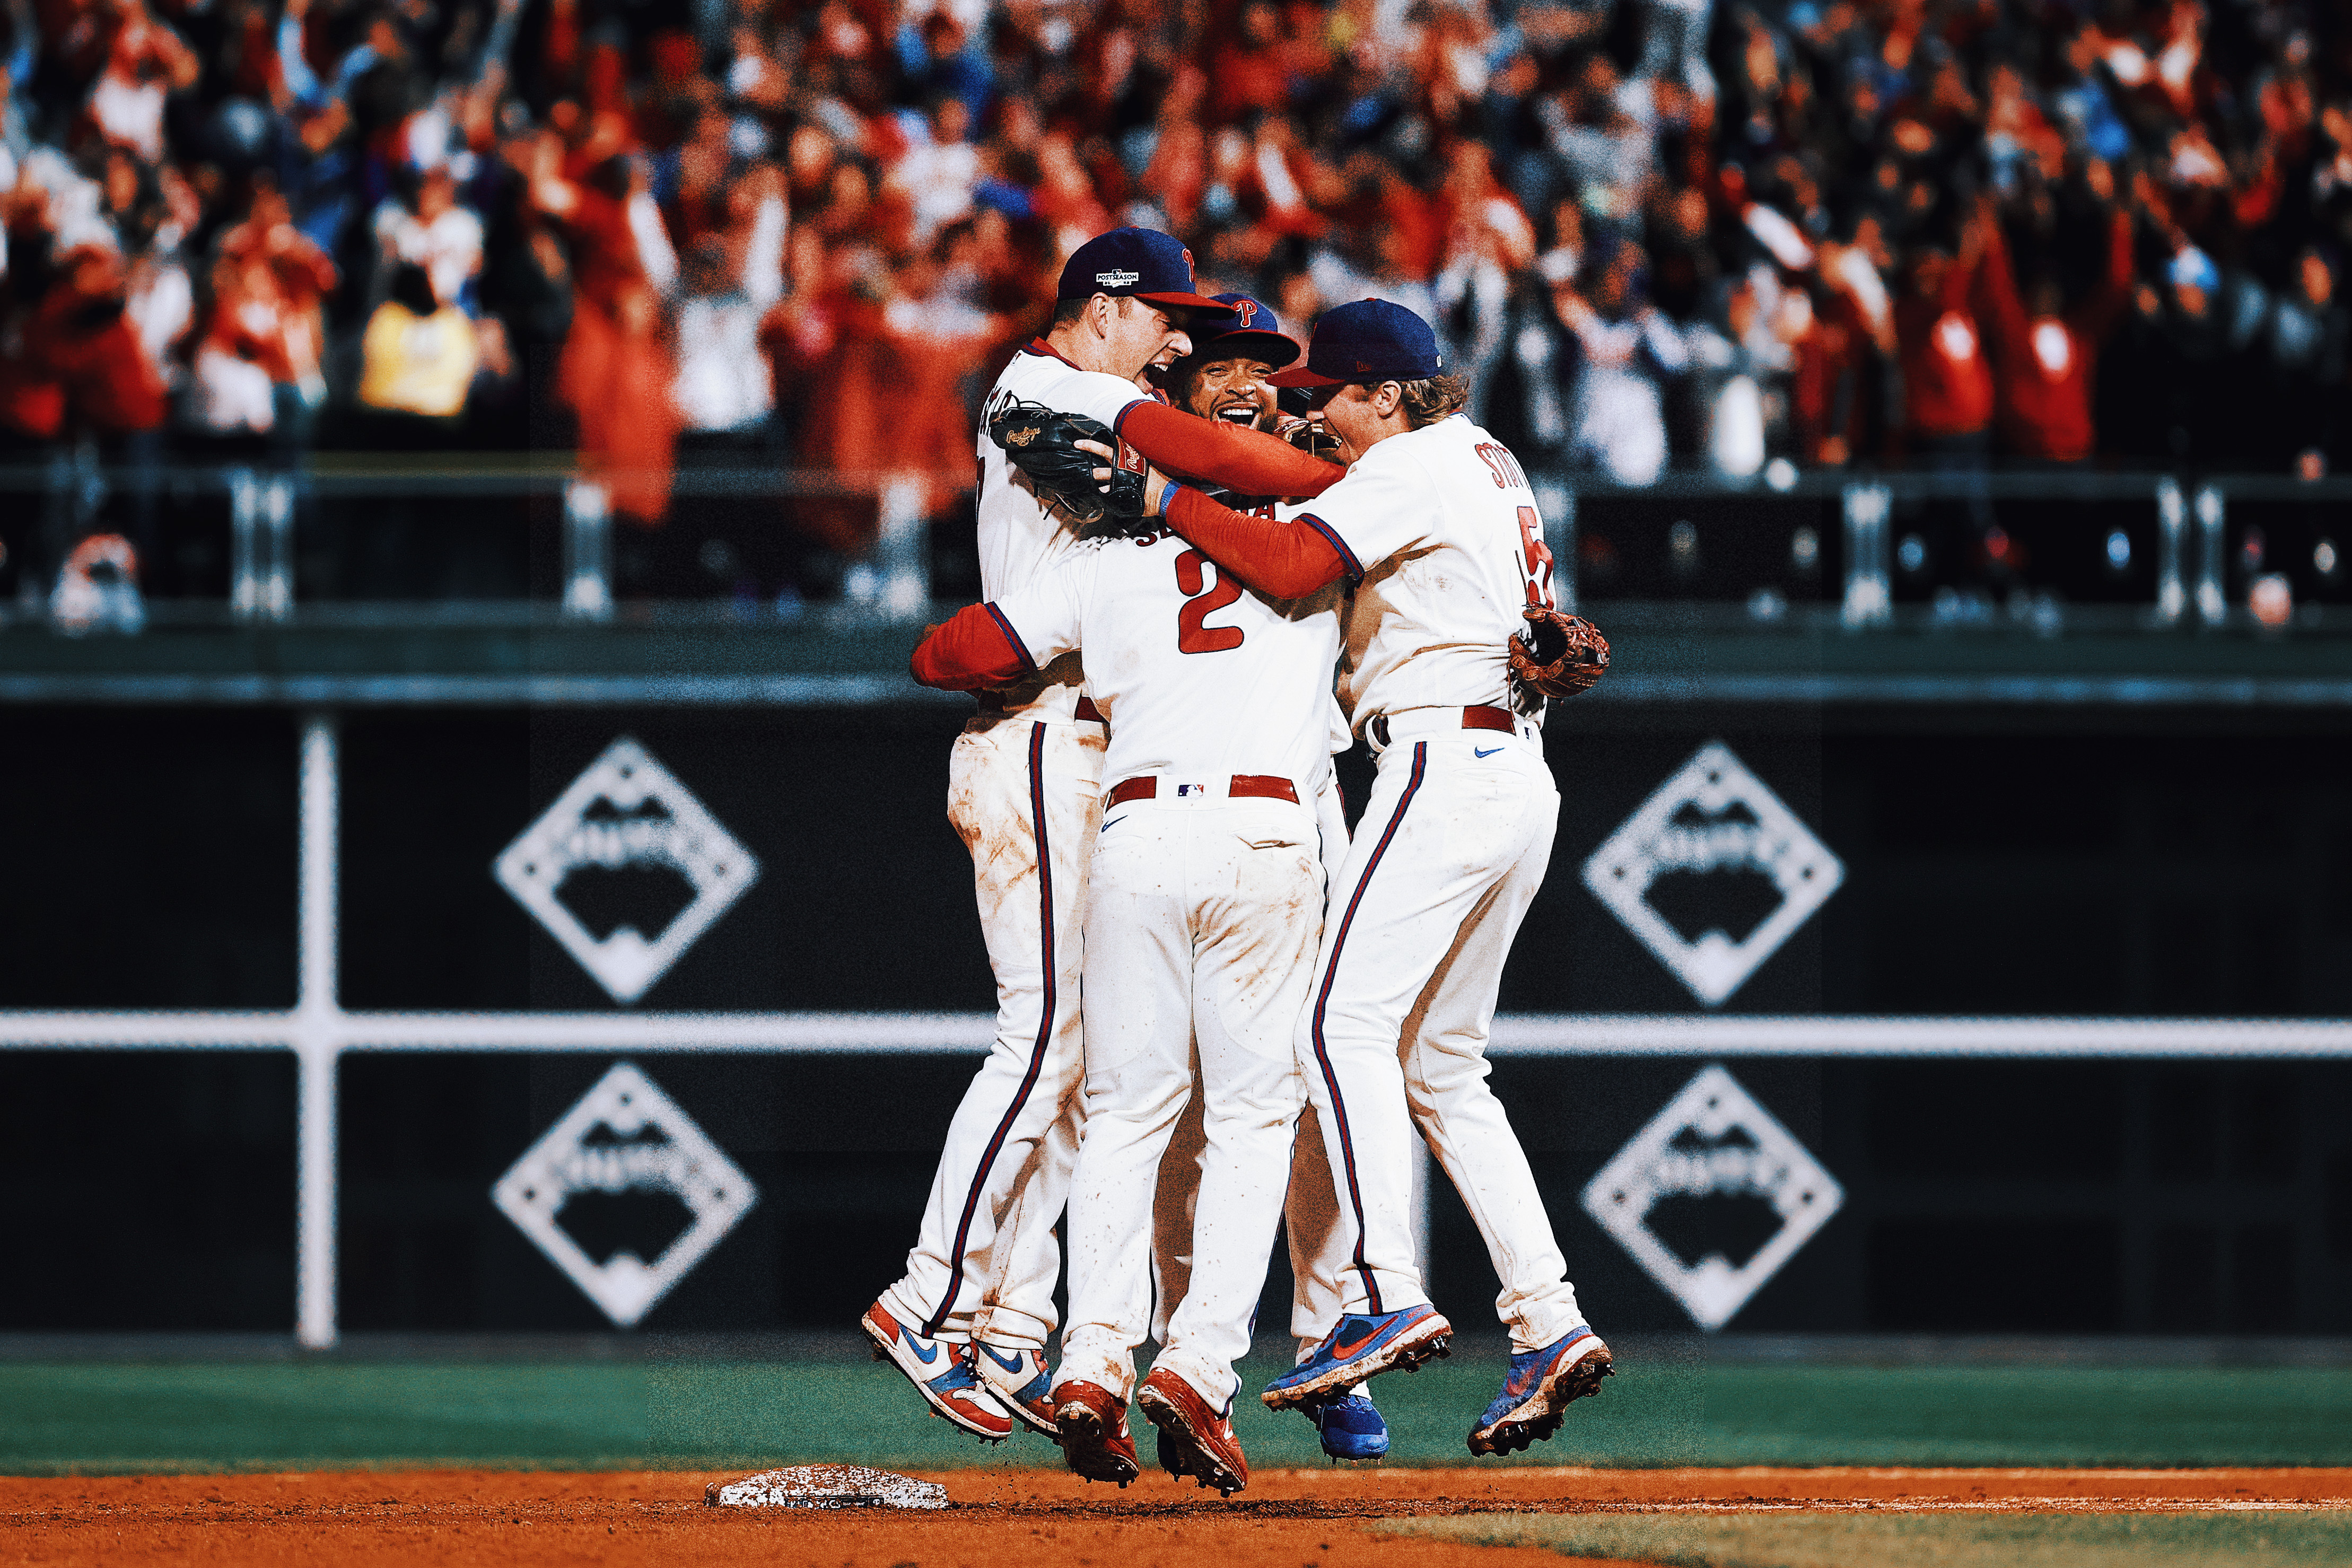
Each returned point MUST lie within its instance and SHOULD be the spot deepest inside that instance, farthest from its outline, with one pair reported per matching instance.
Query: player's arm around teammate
(968, 1322)
(1227, 378)
(1436, 527)
(1204, 910)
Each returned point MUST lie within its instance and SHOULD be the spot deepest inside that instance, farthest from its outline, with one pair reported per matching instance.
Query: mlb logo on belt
(1183, 789)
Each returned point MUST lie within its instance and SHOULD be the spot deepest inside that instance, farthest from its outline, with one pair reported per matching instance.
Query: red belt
(993, 702)
(1263, 785)
(1478, 716)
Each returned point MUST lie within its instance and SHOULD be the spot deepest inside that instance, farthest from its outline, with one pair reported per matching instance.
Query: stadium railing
(2189, 514)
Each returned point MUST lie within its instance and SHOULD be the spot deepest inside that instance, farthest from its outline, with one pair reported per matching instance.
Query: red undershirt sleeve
(1246, 462)
(1284, 560)
(977, 647)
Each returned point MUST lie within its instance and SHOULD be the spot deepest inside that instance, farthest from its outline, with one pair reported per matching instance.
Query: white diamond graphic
(1713, 815)
(1712, 1140)
(649, 1145)
(649, 820)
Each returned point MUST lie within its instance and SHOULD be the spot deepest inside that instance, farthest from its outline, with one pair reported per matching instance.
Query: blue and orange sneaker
(940, 1373)
(1360, 1348)
(1021, 1384)
(1352, 1427)
(1538, 1390)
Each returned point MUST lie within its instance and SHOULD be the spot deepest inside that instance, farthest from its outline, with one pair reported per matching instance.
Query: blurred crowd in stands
(1660, 234)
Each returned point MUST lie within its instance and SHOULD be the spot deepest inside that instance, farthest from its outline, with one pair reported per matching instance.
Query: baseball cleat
(1021, 1384)
(1538, 1389)
(1352, 1426)
(940, 1373)
(1194, 1441)
(1095, 1441)
(1360, 1348)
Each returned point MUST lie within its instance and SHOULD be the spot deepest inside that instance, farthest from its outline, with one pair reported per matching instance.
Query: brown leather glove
(1559, 655)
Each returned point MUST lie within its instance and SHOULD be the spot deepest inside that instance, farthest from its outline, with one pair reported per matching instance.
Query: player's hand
(1121, 489)
(1103, 474)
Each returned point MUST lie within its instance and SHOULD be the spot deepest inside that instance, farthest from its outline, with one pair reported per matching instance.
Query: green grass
(1918, 1540)
(116, 1416)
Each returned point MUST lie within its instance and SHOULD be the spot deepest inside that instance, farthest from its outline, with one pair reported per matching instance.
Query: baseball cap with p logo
(1247, 328)
(1366, 343)
(1143, 263)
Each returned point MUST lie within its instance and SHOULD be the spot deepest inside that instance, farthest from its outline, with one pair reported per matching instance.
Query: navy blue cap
(1368, 342)
(1246, 330)
(1143, 263)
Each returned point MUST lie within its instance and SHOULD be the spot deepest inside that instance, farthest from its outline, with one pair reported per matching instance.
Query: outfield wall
(2157, 886)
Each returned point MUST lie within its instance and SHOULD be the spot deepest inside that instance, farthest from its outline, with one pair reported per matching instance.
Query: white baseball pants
(1025, 795)
(1447, 856)
(1318, 1247)
(1202, 926)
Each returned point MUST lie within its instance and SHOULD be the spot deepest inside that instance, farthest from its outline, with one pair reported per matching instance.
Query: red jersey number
(1191, 636)
(1537, 555)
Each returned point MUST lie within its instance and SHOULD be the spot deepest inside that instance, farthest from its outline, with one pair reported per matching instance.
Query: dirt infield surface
(1285, 1519)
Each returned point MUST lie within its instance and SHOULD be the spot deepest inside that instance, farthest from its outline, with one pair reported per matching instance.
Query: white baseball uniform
(1440, 532)
(1318, 1244)
(1024, 792)
(1203, 912)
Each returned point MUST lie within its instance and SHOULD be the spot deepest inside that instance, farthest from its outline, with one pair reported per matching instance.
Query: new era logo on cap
(1143, 263)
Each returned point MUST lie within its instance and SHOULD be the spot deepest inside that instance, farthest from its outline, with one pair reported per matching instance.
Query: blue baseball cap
(1246, 330)
(1368, 342)
(1143, 263)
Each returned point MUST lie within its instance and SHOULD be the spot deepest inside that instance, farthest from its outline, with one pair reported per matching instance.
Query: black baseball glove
(1559, 655)
(1043, 445)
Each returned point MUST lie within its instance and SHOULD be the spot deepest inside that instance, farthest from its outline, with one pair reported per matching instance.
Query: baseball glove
(1043, 445)
(1559, 655)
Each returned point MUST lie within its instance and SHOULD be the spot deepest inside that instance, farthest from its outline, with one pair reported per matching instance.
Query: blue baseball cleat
(1352, 1426)
(1538, 1389)
(1360, 1348)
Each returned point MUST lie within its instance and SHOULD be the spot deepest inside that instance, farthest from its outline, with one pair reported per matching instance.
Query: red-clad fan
(2046, 360)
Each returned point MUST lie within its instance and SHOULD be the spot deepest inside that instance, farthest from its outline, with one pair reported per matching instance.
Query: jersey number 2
(1191, 636)
(1539, 558)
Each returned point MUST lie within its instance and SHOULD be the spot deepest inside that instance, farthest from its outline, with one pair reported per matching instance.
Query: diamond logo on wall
(626, 812)
(1713, 817)
(624, 1136)
(1713, 1144)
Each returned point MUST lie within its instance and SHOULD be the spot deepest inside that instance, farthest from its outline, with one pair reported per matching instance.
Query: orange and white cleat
(1094, 1439)
(1194, 1441)
(942, 1373)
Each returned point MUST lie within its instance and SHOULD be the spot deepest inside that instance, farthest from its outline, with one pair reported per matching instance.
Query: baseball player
(1228, 377)
(1203, 915)
(968, 1322)
(1436, 528)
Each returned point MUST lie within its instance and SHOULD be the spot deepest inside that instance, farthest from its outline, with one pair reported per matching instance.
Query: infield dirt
(1287, 1518)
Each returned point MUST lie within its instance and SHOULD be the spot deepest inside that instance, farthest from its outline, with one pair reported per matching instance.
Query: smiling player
(1437, 530)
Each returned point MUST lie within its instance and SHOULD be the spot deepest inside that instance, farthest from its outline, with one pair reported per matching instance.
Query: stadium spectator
(1665, 234)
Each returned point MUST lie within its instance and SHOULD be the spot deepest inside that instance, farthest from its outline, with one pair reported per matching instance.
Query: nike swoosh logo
(1342, 1351)
(1014, 1364)
(920, 1354)
(1490, 752)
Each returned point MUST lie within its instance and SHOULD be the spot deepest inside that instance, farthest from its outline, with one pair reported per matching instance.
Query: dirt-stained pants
(1025, 795)
(1447, 856)
(1201, 924)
